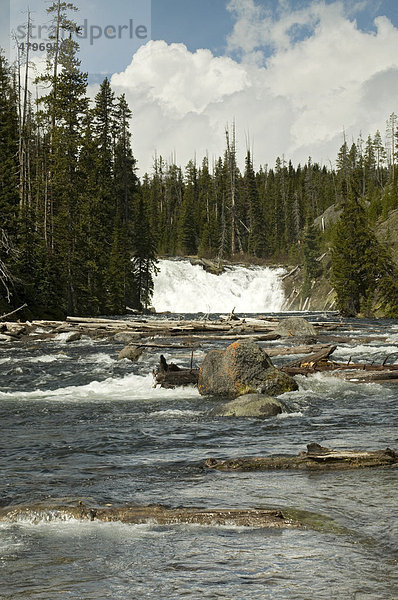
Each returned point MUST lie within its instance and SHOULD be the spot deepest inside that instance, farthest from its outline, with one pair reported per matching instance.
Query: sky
(294, 75)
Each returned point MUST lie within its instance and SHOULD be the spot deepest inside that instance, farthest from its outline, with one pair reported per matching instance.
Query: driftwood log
(282, 351)
(313, 360)
(171, 376)
(149, 514)
(355, 372)
(317, 458)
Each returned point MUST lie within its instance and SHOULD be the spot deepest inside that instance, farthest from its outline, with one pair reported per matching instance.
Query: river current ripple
(78, 424)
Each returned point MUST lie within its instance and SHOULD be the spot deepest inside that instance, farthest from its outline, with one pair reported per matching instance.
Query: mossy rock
(241, 368)
(133, 353)
(257, 406)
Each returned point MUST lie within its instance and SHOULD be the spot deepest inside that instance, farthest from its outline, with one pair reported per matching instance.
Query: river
(78, 424)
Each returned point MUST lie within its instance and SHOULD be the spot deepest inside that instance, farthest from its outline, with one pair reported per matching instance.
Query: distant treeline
(220, 211)
(79, 233)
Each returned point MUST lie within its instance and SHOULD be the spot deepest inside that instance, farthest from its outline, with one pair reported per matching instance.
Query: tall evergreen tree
(187, 235)
(121, 288)
(257, 244)
(144, 261)
(356, 268)
(9, 197)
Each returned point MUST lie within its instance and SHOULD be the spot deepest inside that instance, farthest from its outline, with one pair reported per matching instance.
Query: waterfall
(181, 287)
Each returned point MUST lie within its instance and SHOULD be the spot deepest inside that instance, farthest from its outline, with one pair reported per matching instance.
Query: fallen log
(266, 337)
(349, 371)
(172, 379)
(374, 376)
(295, 350)
(316, 458)
(312, 360)
(355, 372)
(137, 515)
(171, 376)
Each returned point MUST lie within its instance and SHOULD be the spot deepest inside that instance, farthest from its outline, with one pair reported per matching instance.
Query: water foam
(363, 352)
(182, 287)
(130, 387)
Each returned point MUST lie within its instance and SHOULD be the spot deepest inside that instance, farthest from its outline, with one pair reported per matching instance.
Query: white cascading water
(184, 288)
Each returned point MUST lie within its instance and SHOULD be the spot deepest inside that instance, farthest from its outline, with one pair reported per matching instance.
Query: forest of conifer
(80, 232)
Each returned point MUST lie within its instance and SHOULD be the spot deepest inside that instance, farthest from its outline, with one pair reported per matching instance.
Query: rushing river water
(78, 424)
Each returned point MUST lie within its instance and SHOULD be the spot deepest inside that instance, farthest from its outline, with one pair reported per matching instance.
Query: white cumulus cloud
(290, 94)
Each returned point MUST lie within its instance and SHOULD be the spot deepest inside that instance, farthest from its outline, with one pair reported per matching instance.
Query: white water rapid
(184, 288)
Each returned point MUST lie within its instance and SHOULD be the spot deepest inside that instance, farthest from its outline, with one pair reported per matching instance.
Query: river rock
(295, 327)
(208, 265)
(250, 405)
(277, 382)
(73, 337)
(126, 337)
(242, 368)
(133, 353)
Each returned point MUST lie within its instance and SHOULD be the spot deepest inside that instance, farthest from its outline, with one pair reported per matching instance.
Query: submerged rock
(277, 382)
(74, 337)
(126, 337)
(242, 368)
(250, 405)
(133, 353)
(215, 268)
(295, 327)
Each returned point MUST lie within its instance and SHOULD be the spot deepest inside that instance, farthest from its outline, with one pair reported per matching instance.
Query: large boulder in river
(259, 406)
(295, 327)
(242, 368)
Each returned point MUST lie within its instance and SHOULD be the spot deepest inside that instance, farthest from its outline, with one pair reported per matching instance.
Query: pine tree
(187, 233)
(119, 274)
(380, 157)
(209, 218)
(343, 168)
(356, 269)
(9, 197)
(144, 261)
(257, 244)
(392, 141)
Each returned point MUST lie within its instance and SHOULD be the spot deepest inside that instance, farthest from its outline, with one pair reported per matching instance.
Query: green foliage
(361, 267)
(350, 253)
(69, 194)
(257, 244)
(9, 196)
(144, 258)
(79, 234)
(187, 236)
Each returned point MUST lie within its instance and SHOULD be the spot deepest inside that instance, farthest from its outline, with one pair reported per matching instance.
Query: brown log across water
(160, 515)
(316, 458)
